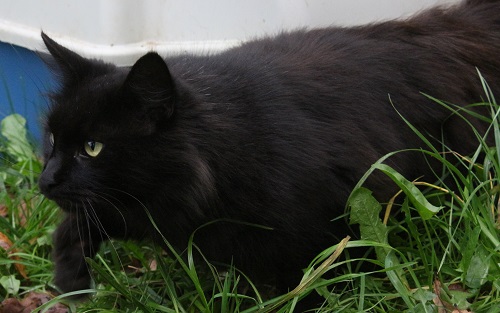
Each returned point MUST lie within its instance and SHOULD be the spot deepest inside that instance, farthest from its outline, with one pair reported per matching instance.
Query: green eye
(93, 148)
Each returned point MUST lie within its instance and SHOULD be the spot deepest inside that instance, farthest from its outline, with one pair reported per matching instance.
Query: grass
(441, 253)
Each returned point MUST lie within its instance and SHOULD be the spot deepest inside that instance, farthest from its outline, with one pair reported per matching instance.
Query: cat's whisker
(92, 215)
(102, 230)
(115, 207)
(84, 238)
(132, 197)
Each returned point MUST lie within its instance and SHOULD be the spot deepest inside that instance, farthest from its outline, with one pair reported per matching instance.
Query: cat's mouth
(69, 202)
(66, 204)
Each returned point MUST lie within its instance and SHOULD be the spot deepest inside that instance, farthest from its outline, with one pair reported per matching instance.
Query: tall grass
(440, 253)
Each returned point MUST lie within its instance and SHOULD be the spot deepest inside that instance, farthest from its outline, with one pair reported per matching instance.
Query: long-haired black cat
(275, 132)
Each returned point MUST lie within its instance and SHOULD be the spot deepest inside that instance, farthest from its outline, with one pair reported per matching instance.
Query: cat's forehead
(85, 109)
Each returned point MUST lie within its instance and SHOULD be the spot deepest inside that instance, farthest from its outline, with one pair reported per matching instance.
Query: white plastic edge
(121, 55)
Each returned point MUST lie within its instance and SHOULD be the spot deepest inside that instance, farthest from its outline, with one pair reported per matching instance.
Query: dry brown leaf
(11, 305)
(21, 269)
(5, 242)
(3, 210)
(437, 300)
(153, 266)
(443, 306)
(22, 213)
(6, 245)
(31, 302)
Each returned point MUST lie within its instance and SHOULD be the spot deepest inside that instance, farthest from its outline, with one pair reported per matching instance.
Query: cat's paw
(68, 280)
(71, 270)
(71, 246)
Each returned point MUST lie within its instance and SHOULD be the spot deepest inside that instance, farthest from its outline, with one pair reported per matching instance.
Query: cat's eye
(92, 148)
(51, 139)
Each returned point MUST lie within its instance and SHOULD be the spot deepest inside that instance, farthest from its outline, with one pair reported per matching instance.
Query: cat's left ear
(150, 85)
(73, 66)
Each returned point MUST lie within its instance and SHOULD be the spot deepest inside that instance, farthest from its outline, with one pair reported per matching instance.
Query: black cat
(275, 132)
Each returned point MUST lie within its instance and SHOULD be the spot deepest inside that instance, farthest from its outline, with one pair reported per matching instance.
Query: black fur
(275, 132)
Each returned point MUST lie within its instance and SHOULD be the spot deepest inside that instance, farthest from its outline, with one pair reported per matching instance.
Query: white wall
(124, 29)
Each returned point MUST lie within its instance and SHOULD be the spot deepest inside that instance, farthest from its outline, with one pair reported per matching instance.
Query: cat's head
(102, 127)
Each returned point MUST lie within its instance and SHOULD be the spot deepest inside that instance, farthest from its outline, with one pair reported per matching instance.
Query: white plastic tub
(122, 30)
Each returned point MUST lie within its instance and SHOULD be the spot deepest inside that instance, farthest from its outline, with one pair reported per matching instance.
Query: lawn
(436, 249)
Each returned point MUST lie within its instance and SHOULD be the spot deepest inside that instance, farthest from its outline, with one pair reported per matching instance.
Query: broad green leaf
(13, 128)
(468, 246)
(478, 268)
(423, 295)
(422, 307)
(424, 207)
(365, 211)
(11, 284)
(459, 299)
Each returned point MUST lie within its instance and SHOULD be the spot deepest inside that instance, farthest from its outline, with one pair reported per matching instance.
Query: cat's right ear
(151, 87)
(72, 66)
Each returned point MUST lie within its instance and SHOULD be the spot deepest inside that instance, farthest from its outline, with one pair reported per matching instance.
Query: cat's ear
(73, 67)
(150, 85)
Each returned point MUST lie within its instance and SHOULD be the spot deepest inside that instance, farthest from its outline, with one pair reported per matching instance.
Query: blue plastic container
(24, 84)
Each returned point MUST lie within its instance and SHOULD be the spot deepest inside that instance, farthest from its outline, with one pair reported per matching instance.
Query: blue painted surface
(24, 83)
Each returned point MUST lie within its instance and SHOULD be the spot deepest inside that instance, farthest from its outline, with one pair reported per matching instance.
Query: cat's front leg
(75, 239)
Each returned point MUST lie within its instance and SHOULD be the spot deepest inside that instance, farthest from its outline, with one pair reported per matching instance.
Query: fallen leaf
(437, 300)
(32, 301)
(11, 305)
(442, 299)
(6, 244)
(153, 266)
(23, 213)
(3, 210)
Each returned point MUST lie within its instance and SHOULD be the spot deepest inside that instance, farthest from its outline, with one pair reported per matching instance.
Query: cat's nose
(48, 180)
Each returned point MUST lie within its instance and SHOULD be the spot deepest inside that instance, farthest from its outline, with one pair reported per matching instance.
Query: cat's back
(312, 93)
(433, 45)
(354, 74)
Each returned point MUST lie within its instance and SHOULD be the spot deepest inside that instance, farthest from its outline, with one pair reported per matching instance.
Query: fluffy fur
(275, 132)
